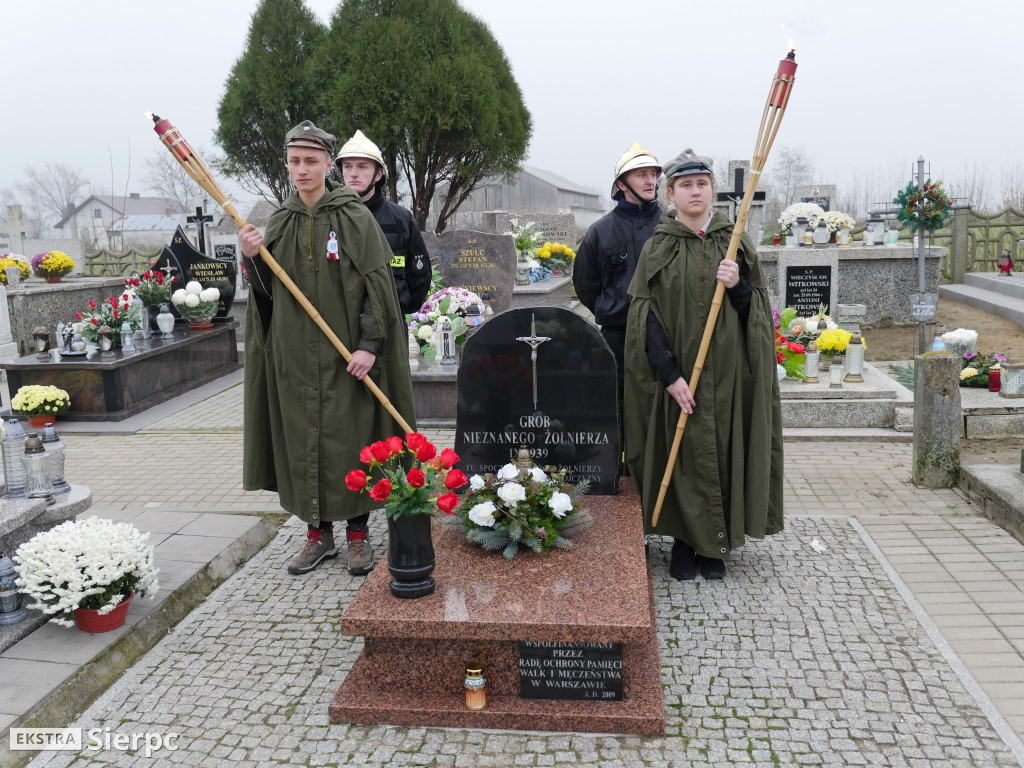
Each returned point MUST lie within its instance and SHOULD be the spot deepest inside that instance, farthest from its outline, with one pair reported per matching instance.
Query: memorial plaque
(544, 378)
(549, 670)
(807, 288)
(190, 264)
(477, 261)
(822, 202)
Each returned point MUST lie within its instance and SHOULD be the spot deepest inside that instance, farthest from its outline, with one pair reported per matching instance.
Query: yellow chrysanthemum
(833, 340)
(966, 373)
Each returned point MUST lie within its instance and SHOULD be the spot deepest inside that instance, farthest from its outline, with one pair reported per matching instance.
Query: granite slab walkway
(884, 627)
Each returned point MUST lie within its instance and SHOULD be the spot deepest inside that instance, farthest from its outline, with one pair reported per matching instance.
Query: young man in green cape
(727, 481)
(307, 414)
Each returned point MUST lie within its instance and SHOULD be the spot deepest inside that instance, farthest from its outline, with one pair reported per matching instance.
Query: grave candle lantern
(127, 345)
(1005, 264)
(1011, 377)
(37, 469)
(57, 450)
(105, 339)
(844, 237)
(476, 688)
(448, 344)
(835, 373)
(854, 361)
(821, 234)
(40, 340)
(11, 611)
(811, 363)
(165, 322)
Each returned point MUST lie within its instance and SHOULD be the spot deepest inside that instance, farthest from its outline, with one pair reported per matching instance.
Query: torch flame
(148, 114)
(790, 45)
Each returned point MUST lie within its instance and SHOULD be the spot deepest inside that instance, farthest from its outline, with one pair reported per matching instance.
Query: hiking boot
(319, 547)
(360, 553)
(683, 565)
(712, 568)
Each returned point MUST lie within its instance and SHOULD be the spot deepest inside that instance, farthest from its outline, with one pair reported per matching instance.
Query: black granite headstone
(542, 377)
(574, 670)
(807, 288)
(189, 264)
(477, 261)
(821, 201)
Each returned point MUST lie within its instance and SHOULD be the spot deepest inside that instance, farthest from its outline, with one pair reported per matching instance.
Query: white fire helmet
(633, 158)
(360, 146)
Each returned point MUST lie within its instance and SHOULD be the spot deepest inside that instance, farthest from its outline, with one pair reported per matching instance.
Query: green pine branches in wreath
(923, 208)
(521, 507)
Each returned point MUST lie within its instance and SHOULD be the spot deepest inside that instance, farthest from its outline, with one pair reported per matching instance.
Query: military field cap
(688, 162)
(305, 134)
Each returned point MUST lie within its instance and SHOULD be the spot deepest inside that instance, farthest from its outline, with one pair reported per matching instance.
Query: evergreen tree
(271, 89)
(427, 82)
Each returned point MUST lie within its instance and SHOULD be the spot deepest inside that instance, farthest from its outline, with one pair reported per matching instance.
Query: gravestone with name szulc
(190, 264)
(478, 261)
(543, 378)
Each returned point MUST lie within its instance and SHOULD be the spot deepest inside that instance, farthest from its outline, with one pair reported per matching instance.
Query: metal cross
(534, 341)
(735, 196)
(199, 220)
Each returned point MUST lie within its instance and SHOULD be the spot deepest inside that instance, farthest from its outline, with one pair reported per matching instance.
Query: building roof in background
(126, 206)
(559, 182)
(259, 215)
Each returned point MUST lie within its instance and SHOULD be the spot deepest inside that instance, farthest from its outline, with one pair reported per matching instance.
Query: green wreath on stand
(923, 208)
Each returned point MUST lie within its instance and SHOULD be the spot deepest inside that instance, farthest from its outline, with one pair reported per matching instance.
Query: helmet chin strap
(632, 191)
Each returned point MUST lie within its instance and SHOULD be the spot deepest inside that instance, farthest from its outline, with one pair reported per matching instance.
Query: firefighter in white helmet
(607, 257)
(363, 171)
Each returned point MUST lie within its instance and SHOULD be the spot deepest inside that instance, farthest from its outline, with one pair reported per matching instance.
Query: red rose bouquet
(151, 286)
(408, 489)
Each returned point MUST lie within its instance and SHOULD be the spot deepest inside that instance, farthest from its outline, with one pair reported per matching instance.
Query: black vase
(410, 556)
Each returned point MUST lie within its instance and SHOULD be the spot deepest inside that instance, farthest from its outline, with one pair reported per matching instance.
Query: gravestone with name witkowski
(478, 261)
(808, 279)
(540, 377)
(572, 670)
(189, 264)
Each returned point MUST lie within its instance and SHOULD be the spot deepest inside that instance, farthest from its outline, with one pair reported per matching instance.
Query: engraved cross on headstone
(199, 220)
(534, 341)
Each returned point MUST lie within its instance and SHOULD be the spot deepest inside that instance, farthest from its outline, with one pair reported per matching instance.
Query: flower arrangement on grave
(152, 287)
(789, 353)
(91, 563)
(833, 341)
(40, 400)
(809, 211)
(194, 302)
(924, 208)
(526, 237)
(114, 312)
(413, 473)
(556, 255)
(521, 506)
(960, 342)
(975, 369)
(13, 260)
(52, 264)
(447, 303)
(836, 220)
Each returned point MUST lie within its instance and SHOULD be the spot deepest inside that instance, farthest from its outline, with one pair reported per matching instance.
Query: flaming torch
(194, 166)
(774, 109)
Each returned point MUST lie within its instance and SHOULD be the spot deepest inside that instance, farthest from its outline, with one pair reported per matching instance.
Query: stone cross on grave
(735, 195)
(200, 220)
(534, 341)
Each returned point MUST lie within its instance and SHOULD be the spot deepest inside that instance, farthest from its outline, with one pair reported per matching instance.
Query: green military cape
(306, 417)
(727, 480)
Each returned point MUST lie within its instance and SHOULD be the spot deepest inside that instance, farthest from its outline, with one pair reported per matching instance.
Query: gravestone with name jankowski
(541, 377)
(819, 194)
(807, 279)
(478, 261)
(189, 264)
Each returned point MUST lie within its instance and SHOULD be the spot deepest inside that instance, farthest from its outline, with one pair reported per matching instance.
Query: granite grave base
(128, 383)
(412, 666)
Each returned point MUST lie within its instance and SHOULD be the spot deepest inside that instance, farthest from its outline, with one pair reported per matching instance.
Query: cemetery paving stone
(795, 658)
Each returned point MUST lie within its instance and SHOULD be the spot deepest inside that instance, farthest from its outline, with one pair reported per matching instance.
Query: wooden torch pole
(194, 166)
(774, 109)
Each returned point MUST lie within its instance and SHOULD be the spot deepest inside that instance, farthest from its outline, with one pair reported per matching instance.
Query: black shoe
(683, 565)
(712, 568)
